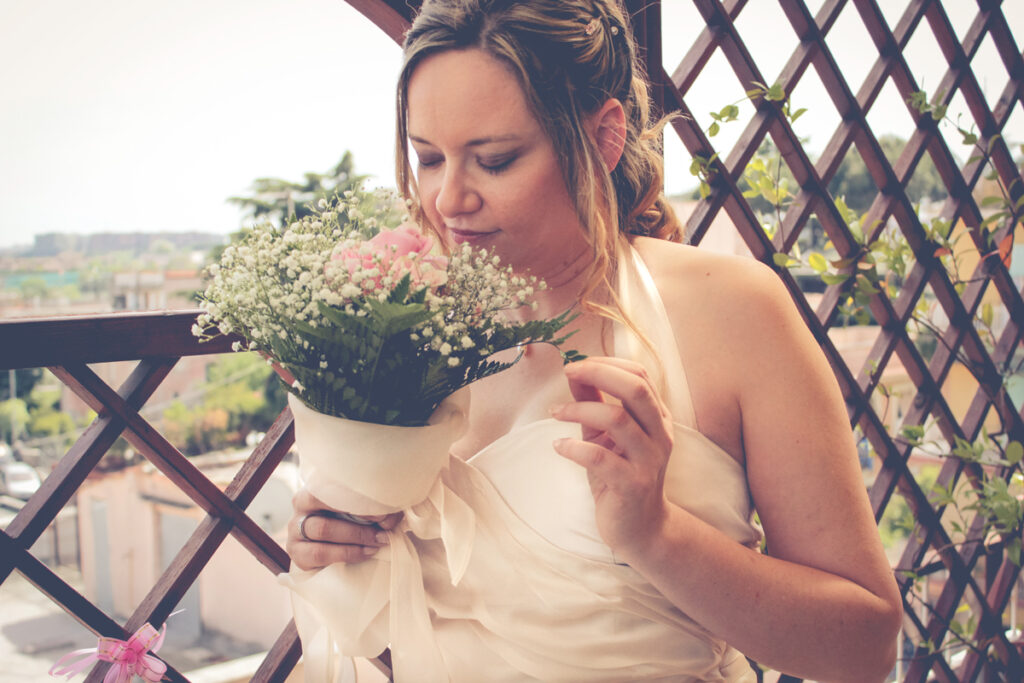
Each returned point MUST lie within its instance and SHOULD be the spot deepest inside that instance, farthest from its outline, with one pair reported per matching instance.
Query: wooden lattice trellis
(978, 575)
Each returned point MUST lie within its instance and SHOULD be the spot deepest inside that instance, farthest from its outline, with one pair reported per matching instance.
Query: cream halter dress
(517, 584)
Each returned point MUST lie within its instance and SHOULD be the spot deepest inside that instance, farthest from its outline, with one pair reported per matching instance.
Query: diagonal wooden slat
(74, 467)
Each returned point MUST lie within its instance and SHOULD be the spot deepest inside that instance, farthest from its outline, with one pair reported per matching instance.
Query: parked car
(18, 480)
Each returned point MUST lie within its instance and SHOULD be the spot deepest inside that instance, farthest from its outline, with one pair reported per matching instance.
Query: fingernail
(558, 443)
(369, 550)
(555, 411)
(381, 538)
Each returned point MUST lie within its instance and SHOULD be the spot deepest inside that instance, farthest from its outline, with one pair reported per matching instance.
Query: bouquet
(377, 333)
(370, 323)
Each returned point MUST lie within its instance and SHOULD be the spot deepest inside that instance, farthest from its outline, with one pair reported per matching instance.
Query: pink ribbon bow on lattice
(129, 657)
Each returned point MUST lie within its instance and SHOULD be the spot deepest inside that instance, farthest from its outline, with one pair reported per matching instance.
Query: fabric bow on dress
(129, 657)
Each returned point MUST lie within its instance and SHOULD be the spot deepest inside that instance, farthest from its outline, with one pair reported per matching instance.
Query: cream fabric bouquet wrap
(370, 469)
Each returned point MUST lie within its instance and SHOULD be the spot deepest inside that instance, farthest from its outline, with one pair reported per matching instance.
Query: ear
(608, 127)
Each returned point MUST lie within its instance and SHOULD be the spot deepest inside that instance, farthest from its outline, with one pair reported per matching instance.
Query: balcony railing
(156, 342)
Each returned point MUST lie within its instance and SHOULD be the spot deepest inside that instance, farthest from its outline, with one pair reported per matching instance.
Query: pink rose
(407, 250)
(402, 241)
(402, 250)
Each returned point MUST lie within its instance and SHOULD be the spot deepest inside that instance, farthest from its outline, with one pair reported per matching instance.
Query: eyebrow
(475, 142)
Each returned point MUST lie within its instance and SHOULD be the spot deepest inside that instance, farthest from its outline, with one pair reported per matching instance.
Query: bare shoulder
(729, 297)
(737, 330)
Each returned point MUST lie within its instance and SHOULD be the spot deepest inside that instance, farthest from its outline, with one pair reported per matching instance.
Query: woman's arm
(822, 603)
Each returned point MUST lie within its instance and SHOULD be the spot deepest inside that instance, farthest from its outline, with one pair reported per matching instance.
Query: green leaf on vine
(1013, 551)
(782, 259)
(912, 433)
(986, 314)
(991, 201)
(835, 278)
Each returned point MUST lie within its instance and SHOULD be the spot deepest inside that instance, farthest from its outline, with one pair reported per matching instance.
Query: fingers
(596, 378)
(388, 522)
(304, 502)
(624, 380)
(601, 464)
(329, 540)
(310, 556)
(316, 538)
(611, 427)
(321, 528)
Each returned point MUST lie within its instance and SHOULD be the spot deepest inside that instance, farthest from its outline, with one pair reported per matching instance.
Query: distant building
(133, 523)
(53, 243)
(155, 291)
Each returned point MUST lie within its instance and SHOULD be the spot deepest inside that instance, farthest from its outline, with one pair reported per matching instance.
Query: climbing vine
(984, 507)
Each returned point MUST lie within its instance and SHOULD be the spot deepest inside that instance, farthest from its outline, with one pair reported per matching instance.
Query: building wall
(121, 518)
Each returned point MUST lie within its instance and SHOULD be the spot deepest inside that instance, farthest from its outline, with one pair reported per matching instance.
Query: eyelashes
(492, 165)
(496, 166)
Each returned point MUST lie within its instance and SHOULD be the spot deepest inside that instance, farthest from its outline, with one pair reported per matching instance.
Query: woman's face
(487, 173)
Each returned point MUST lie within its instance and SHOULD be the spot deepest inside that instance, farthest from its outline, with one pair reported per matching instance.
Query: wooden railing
(156, 342)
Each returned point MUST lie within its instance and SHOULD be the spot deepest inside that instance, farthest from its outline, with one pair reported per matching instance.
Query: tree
(13, 418)
(24, 380)
(242, 395)
(45, 416)
(34, 289)
(853, 182)
(277, 200)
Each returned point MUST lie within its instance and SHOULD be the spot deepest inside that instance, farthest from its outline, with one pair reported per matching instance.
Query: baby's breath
(367, 330)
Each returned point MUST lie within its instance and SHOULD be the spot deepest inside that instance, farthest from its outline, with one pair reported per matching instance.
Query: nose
(456, 196)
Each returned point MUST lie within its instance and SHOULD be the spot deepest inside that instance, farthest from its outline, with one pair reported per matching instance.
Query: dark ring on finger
(302, 527)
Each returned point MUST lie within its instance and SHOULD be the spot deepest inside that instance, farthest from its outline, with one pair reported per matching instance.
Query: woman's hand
(316, 538)
(627, 440)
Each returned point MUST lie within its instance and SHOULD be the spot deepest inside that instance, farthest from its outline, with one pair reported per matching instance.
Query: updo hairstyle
(569, 57)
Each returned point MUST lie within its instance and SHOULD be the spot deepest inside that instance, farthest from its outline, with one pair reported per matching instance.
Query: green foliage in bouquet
(370, 323)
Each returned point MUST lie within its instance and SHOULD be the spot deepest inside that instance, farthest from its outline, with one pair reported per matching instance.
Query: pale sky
(147, 114)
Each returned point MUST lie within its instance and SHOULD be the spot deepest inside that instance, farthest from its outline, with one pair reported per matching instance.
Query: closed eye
(429, 161)
(497, 164)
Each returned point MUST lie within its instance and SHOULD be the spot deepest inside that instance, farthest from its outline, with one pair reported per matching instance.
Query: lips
(469, 236)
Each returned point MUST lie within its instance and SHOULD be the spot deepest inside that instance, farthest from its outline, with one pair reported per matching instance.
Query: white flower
(274, 287)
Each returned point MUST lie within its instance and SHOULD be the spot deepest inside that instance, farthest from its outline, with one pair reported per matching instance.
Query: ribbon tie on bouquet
(368, 469)
(129, 657)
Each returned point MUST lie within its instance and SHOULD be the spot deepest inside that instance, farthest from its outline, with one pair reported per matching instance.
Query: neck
(564, 287)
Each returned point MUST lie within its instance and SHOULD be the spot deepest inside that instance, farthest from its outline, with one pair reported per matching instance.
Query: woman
(613, 496)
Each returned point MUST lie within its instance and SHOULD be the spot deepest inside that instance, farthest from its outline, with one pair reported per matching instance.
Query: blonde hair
(569, 57)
